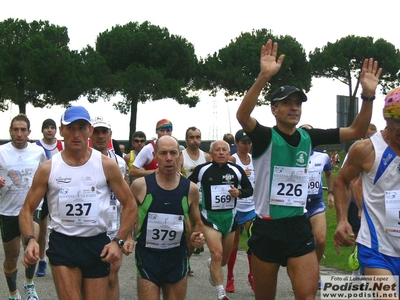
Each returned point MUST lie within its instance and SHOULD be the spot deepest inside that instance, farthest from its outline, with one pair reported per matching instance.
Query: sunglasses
(139, 141)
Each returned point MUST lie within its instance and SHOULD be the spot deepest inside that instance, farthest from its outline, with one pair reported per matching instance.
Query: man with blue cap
(77, 181)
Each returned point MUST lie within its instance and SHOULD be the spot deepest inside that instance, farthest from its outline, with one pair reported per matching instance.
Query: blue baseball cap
(75, 113)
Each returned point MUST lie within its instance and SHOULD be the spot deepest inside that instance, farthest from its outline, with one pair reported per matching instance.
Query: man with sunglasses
(378, 161)
(145, 163)
(138, 142)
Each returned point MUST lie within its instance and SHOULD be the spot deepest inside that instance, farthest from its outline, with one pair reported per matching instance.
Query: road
(199, 287)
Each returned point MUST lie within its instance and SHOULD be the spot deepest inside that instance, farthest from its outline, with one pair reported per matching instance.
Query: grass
(332, 259)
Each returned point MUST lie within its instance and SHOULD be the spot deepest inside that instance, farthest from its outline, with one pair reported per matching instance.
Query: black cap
(47, 123)
(241, 136)
(286, 90)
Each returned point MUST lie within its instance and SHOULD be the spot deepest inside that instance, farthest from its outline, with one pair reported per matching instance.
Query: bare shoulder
(44, 168)
(362, 153)
(208, 157)
(138, 185)
(194, 194)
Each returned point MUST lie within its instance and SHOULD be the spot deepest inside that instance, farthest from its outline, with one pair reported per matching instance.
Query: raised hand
(268, 64)
(369, 78)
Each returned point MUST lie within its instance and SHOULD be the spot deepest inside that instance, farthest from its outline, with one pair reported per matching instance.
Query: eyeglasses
(139, 141)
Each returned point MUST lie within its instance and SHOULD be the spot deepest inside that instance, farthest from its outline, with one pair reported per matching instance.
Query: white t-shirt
(17, 167)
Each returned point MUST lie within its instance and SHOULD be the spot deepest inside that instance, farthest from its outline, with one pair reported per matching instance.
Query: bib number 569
(223, 198)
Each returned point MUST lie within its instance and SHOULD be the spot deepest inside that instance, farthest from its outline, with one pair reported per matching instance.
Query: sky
(210, 26)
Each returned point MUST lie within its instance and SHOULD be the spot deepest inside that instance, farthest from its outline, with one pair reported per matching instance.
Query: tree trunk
(133, 120)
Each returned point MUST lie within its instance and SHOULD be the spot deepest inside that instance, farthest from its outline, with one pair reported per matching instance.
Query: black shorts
(274, 241)
(79, 252)
(9, 226)
(161, 267)
(352, 217)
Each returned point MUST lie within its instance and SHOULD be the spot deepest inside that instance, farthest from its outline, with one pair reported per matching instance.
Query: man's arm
(330, 182)
(196, 237)
(125, 197)
(141, 159)
(269, 66)
(358, 159)
(35, 195)
(246, 189)
(369, 80)
(136, 172)
(356, 191)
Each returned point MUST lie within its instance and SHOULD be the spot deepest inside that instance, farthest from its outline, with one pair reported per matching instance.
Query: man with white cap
(145, 163)
(377, 159)
(100, 139)
(77, 182)
(281, 232)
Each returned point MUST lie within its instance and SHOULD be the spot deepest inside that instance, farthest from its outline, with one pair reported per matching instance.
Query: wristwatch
(28, 238)
(119, 242)
(368, 98)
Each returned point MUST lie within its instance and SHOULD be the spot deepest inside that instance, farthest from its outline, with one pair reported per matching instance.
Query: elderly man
(222, 182)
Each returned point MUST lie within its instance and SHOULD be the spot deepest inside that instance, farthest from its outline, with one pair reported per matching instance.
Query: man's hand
(344, 235)
(369, 77)
(31, 255)
(111, 253)
(128, 245)
(268, 64)
(197, 239)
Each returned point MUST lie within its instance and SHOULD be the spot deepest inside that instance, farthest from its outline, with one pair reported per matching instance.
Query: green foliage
(146, 63)
(37, 66)
(235, 67)
(343, 61)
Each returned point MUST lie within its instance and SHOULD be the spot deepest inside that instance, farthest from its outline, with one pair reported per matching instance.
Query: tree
(235, 67)
(36, 65)
(343, 60)
(146, 63)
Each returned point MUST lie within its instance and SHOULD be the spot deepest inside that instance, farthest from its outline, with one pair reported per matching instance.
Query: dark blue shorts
(274, 241)
(315, 206)
(79, 252)
(161, 267)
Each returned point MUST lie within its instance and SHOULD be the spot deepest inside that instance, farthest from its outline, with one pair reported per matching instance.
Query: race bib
(289, 186)
(392, 213)
(314, 182)
(78, 206)
(220, 197)
(164, 231)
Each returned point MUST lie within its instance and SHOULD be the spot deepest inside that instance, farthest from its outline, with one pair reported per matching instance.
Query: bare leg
(176, 291)
(147, 290)
(304, 287)
(265, 279)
